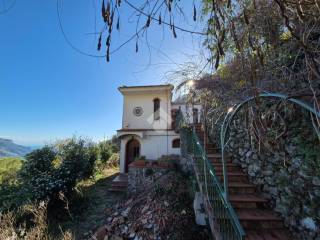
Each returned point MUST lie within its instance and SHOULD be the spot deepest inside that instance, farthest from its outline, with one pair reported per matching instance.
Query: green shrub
(38, 174)
(105, 151)
(114, 160)
(57, 169)
(11, 196)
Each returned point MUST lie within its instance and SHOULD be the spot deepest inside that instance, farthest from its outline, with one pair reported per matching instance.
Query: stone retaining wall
(141, 177)
(288, 173)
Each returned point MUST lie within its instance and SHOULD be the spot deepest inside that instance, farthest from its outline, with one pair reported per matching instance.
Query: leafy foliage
(114, 160)
(44, 180)
(250, 46)
(53, 171)
(43, 192)
(105, 150)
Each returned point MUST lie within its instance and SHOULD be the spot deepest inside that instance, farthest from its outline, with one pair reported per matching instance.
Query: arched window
(156, 109)
(176, 143)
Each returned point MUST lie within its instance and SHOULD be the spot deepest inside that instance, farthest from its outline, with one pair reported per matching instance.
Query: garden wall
(142, 177)
(285, 164)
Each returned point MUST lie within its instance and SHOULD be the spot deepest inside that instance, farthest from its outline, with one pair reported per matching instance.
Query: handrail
(224, 199)
(235, 109)
(225, 218)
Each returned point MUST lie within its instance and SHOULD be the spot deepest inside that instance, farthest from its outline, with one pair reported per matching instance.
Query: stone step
(270, 234)
(121, 177)
(120, 183)
(211, 151)
(235, 176)
(259, 219)
(241, 188)
(118, 188)
(230, 166)
(217, 155)
(237, 187)
(210, 145)
(217, 149)
(216, 158)
(246, 200)
(259, 223)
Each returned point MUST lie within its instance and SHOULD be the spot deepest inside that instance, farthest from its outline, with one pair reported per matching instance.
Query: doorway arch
(132, 152)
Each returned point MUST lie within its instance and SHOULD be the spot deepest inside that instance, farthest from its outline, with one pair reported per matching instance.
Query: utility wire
(136, 34)
(165, 23)
(86, 53)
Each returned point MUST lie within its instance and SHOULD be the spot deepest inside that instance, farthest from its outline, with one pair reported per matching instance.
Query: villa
(148, 122)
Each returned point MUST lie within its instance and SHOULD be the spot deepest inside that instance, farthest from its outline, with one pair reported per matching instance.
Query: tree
(273, 43)
(108, 147)
(105, 149)
(57, 169)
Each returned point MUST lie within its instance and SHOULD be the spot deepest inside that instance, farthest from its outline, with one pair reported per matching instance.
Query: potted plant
(140, 161)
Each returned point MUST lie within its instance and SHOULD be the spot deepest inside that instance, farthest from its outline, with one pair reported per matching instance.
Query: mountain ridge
(10, 149)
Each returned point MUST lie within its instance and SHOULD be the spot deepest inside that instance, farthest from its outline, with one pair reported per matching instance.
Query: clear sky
(48, 91)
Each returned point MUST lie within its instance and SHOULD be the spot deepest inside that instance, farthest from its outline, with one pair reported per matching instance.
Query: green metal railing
(216, 194)
(235, 109)
(226, 222)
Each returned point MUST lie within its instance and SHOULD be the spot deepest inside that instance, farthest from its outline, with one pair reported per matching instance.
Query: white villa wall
(146, 120)
(153, 145)
(155, 136)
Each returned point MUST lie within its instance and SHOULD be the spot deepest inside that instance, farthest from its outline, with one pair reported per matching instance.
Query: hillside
(10, 149)
(9, 167)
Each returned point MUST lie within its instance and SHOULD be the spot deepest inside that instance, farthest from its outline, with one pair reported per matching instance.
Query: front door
(132, 152)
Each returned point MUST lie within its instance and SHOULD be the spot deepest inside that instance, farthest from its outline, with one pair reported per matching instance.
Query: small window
(195, 115)
(156, 109)
(176, 143)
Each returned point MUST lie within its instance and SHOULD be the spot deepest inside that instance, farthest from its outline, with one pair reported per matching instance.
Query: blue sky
(48, 91)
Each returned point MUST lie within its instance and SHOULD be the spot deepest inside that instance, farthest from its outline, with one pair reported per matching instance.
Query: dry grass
(7, 230)
(35, 222)
(37, 228)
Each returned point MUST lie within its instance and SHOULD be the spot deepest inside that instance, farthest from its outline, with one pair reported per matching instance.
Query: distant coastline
(10, 149)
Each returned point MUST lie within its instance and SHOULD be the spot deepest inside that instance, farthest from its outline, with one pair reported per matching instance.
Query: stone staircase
(258, 221)
(120, 183)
